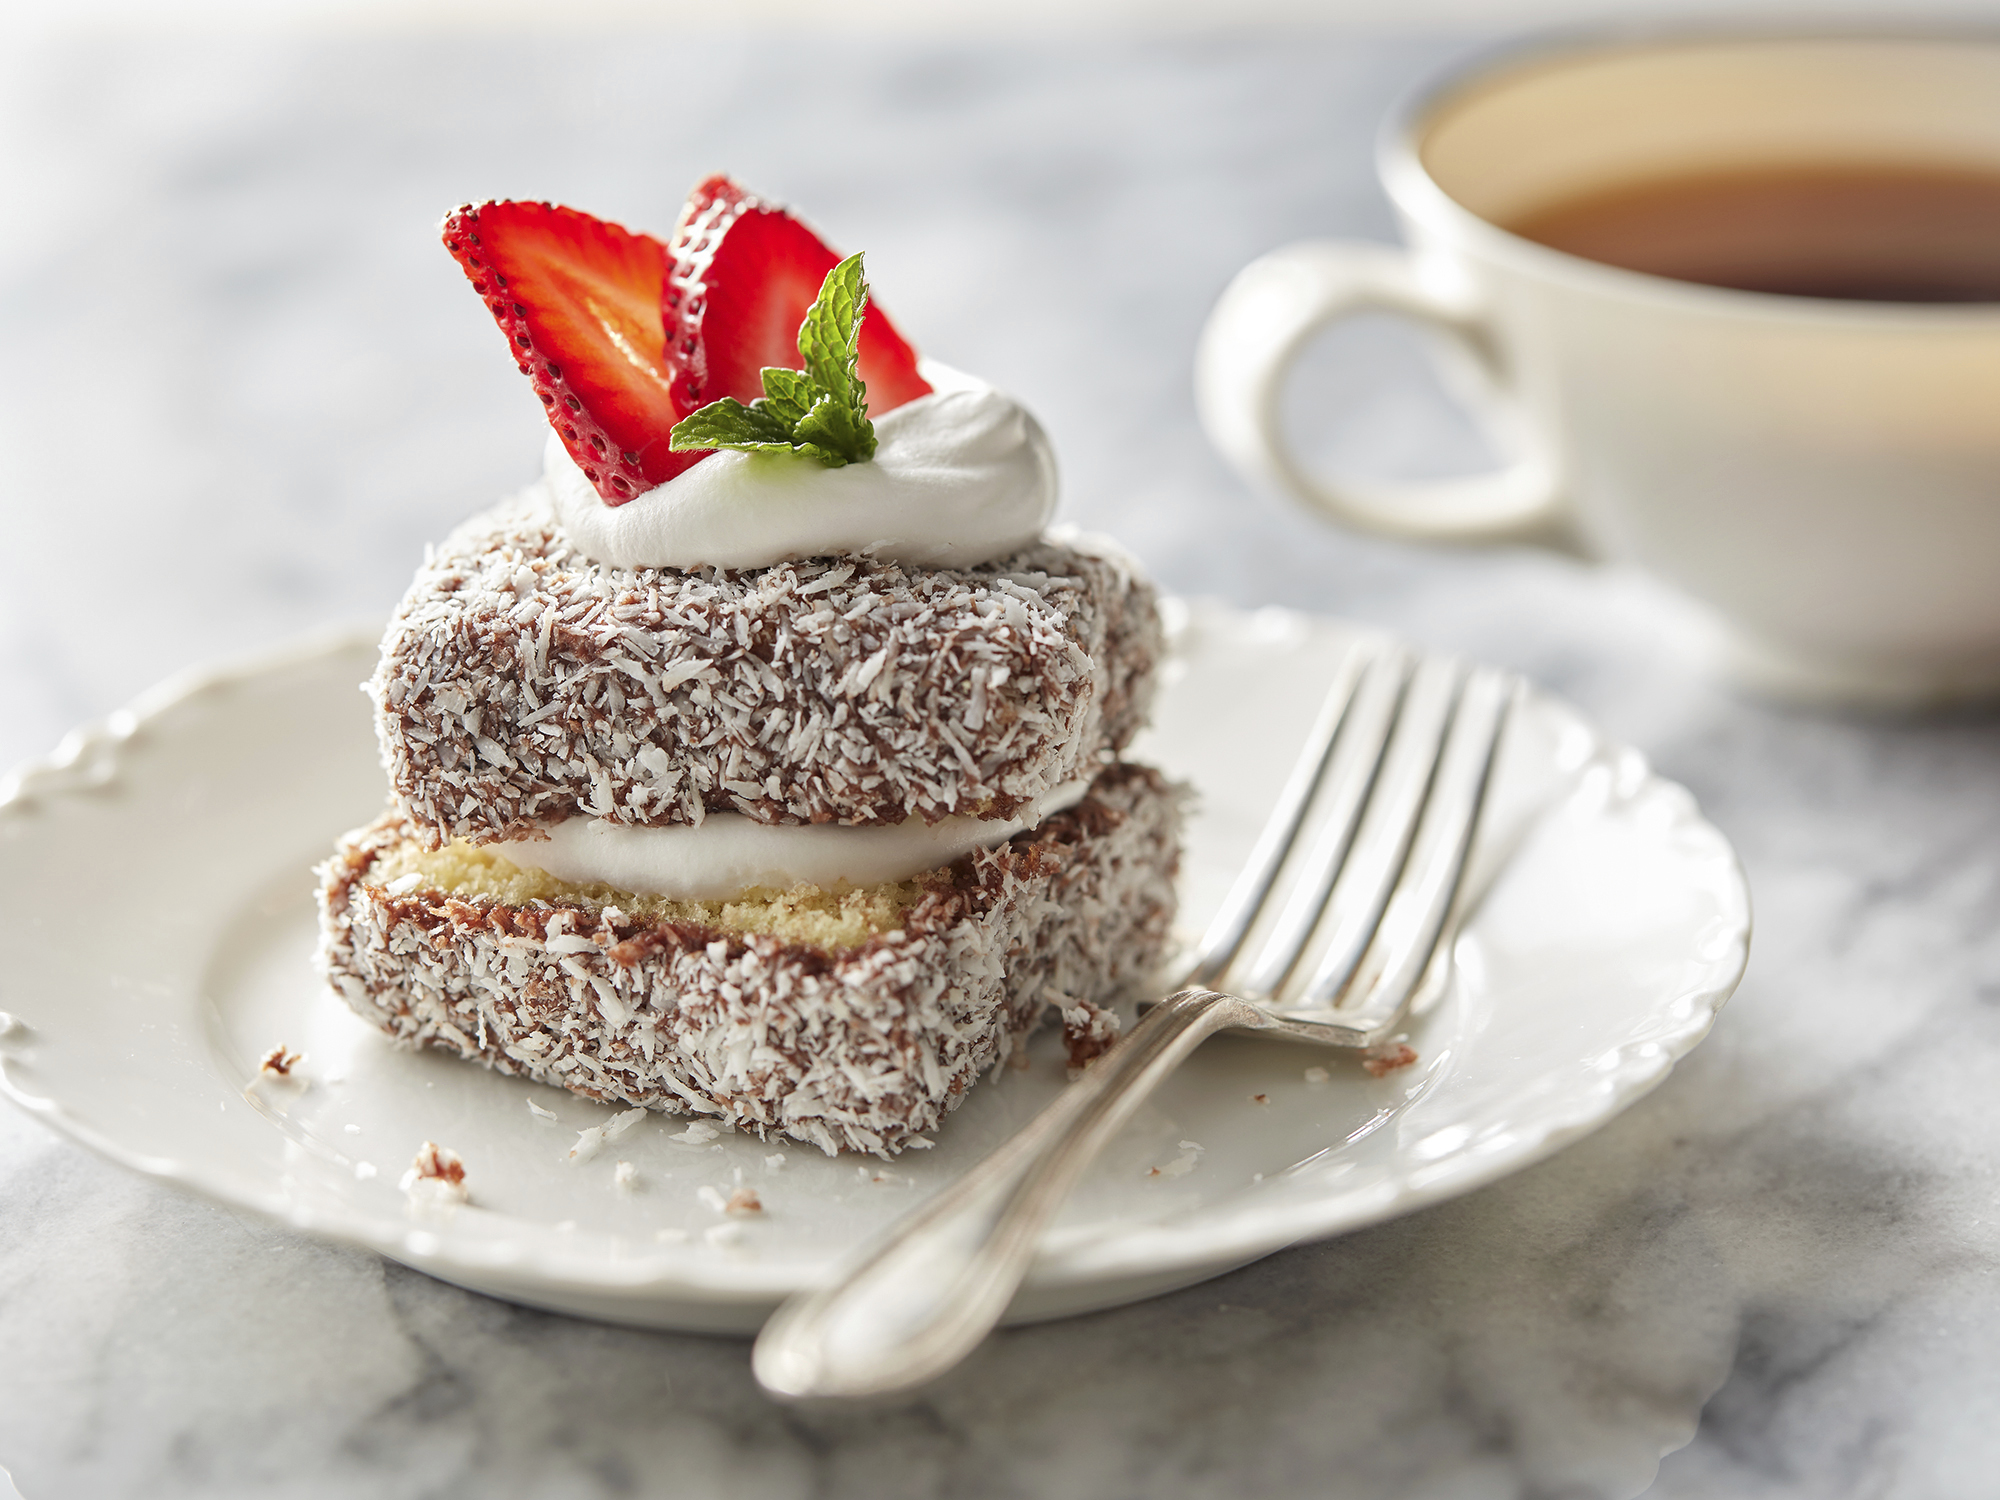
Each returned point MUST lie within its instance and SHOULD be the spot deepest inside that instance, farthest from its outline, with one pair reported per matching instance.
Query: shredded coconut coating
(522, 684)
(861, 1049)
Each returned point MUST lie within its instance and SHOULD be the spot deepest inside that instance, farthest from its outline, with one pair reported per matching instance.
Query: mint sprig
(820, 412)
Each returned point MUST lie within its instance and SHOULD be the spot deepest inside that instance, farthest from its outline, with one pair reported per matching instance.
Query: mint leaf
(788, 393)
(728, 423)
(820, 412)
(830, 337)
(833, 425)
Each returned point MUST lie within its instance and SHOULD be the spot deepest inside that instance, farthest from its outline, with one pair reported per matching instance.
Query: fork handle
(921, 1298)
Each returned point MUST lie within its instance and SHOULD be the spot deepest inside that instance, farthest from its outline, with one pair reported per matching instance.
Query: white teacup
(1824, 475)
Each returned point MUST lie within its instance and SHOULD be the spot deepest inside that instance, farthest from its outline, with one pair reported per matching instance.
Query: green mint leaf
(830, 337)
(728, 423)
(788, 394)
(820, 412)
(835, 426)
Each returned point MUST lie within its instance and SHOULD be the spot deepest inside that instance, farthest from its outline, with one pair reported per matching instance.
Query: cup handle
(1265, 317)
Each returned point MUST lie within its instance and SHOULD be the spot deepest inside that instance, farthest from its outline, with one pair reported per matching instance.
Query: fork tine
(1382, 843)
(1349, 781)
(1416, 916)
(1252, 888)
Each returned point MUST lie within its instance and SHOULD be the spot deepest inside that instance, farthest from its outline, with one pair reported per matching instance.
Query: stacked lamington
(533, 701)
(521, 685)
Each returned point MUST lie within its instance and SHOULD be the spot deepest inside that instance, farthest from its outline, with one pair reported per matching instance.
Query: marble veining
(242, 387)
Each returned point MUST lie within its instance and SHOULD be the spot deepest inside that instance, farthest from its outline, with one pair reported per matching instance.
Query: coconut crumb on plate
(1379, 1062)
(436, 1176)
(1183, 1164)
(743, 1201)
(1089, 1030)
(588, 1141)
(281, 1063)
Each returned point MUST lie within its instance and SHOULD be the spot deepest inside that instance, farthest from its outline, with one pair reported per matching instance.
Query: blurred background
(241, 383)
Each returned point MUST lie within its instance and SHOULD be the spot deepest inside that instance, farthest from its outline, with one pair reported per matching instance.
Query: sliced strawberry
(744, 273)
(579, 301)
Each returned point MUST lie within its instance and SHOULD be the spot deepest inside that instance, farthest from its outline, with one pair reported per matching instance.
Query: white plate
(156, 914)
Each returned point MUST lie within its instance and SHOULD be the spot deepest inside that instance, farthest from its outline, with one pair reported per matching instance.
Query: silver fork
(1355, 921)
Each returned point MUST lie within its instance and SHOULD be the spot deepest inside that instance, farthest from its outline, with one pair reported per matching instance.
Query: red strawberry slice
(744, 273)
(579, 301)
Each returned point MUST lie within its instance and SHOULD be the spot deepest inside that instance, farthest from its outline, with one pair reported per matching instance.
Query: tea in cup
(1742, 296)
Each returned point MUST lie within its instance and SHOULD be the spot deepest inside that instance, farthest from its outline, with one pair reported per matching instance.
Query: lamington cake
(762, 761)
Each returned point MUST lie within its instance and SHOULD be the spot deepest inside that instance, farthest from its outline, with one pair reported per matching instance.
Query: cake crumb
(363, 1170)
(436, 1176)
(350, 1129)
(919, 1143)
(625, 1177)
(1260, 1098)
(775, 1162)
(739, 1204)
(724, 1234)
(1378, 1062)
(1317, 1075)
(1183, 1164)
(1089, 1031)
(280, 1062)
(700, 1133)
(539, 1113)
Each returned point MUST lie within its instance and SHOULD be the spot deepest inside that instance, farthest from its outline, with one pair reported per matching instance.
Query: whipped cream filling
(961, 476)
(727, 853)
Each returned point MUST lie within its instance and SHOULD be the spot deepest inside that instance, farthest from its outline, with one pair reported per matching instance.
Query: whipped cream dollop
(961, 476)
(727, 853)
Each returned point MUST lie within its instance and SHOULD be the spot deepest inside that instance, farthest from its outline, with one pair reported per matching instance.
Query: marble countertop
(242, 385)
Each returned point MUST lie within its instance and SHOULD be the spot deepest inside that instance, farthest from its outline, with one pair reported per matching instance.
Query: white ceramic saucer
(156, 914)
